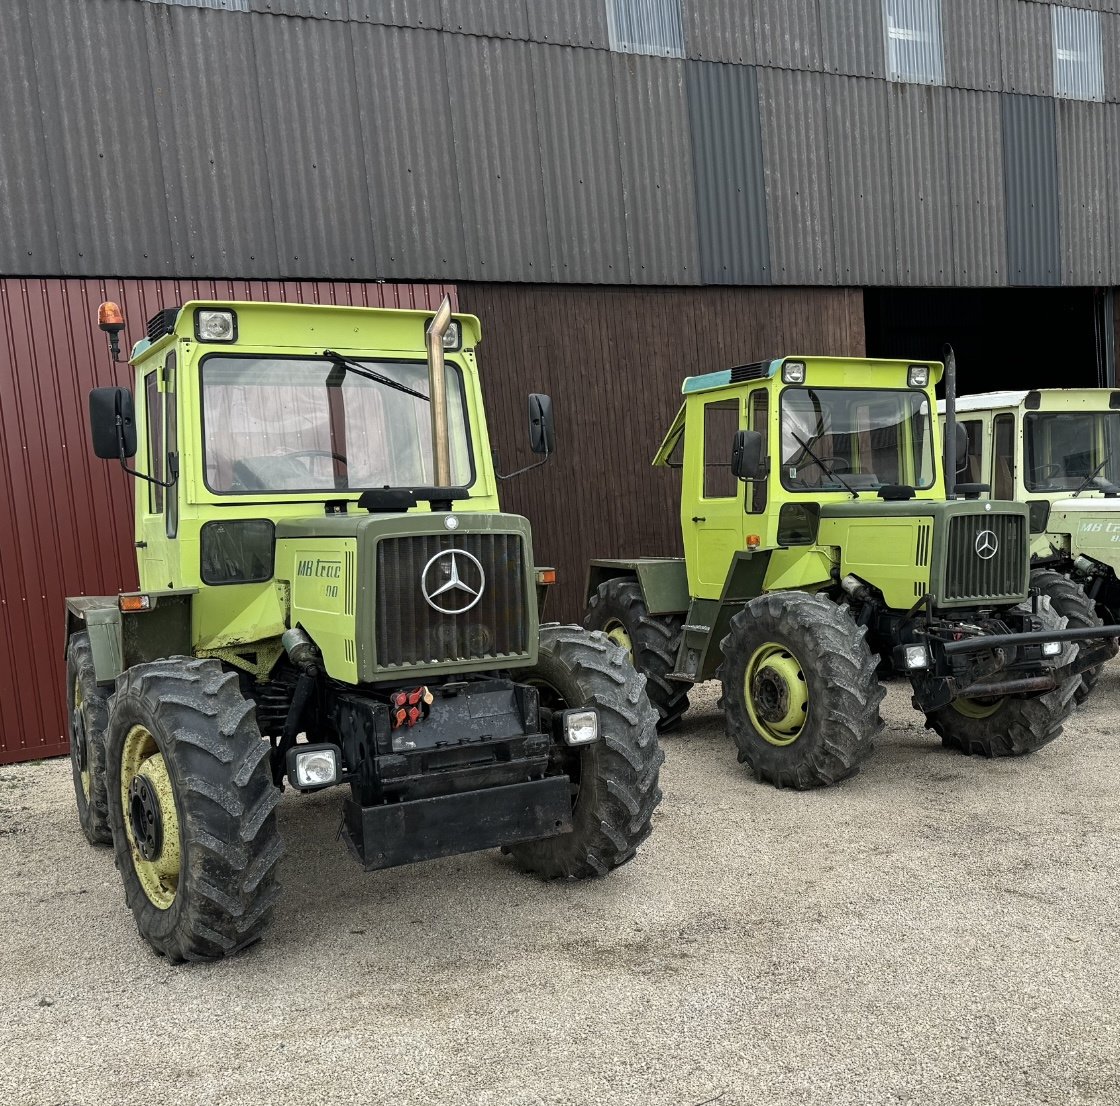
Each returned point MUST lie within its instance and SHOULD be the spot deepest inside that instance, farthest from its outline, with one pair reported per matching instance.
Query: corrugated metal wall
(613, 360)
(66, 524)
(502, 140)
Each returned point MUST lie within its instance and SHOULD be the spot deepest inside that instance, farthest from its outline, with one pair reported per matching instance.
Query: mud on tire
(615, 779)
(88, 710)
(843, 694)
(1014, 726)
(654, 640)
(224, 803)
(1069, 600)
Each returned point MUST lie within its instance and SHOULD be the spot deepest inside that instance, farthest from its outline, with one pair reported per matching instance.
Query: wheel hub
(771, 694)
(776, 693)
(151, 819)
(618, 634)
(145, 818)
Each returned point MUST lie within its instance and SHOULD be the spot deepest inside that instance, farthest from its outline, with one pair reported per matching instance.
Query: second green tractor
(827, 545)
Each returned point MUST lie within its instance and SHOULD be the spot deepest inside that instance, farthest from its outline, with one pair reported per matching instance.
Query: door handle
(699, 518)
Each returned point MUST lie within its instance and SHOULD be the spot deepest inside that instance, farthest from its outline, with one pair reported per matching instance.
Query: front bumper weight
(390, 834)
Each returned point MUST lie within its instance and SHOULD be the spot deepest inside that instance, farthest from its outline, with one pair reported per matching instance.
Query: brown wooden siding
(613, 360)
(66, 523)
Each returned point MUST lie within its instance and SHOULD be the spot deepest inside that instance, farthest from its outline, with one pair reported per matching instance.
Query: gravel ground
(937, 930)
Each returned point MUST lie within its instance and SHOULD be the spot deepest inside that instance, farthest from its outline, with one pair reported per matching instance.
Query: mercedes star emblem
(457, 577)
(986, 545)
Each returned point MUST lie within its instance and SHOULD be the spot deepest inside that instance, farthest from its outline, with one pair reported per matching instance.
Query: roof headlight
(452, 336)
(918, 376)
(211, 325)
(793, 372)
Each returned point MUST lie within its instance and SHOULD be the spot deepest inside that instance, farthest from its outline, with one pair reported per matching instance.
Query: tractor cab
(1058, 451)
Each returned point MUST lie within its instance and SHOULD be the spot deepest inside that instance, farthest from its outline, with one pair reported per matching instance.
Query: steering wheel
(304, 454)
(1047, 472)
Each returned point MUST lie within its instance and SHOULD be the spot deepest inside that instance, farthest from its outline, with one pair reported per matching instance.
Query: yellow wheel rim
(151, 821)
(79, 699)
(617, 633)
(776, 694)
(977, 708)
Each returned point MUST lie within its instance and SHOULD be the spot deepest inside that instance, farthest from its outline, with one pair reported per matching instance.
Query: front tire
(1010, 727)
(618, 610)
(614, 779)
(1069, 600)
(88, 712)
(800, 692)
(193, 809)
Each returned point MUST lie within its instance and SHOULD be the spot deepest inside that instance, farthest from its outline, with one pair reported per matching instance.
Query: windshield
(291, 424)
(1068, 450)
(832, 437)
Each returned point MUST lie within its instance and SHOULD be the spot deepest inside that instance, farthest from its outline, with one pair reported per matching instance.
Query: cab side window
(759, 408)
(973, 471)
(154, 424)
(172, 440)
(1003, 457)
(721, 421)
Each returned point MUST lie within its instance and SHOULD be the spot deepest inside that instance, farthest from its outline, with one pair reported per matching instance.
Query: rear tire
(618, 610)
(88, 712)
(193, 809)
(1069, 600)
(800, 692)
(1010, 727)
(614, 779)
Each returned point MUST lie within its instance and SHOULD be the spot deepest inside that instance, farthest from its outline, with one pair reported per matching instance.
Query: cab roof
(305, 326)
(1039, 398)
(764, 370)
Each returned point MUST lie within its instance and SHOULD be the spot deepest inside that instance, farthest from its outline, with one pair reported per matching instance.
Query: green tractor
(1058, 451)
(824, 548)
(330, 596)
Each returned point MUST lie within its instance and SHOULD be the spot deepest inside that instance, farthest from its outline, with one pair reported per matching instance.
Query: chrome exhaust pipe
(437, 394)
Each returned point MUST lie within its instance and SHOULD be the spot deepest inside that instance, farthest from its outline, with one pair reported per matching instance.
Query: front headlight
(915, 656)
(579, 727)
(313, 766)
(1051, 648)
(211, 325)
(918, 376)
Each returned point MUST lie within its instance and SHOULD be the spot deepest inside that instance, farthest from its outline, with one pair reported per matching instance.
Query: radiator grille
(409, 631)
(970, 576)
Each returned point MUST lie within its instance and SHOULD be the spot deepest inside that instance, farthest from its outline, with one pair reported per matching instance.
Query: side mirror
(746, 455)
(542, 429)
(112, 423)
(960, 455)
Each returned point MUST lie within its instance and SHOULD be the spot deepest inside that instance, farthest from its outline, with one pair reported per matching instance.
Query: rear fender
(120, 639)
(663, 581)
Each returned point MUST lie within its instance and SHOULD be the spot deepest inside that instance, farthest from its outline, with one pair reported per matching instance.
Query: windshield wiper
(1094, 473)
(835, 475)
(369, 374)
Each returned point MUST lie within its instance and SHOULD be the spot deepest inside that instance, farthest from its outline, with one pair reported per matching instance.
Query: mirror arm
(133, 472)
(528, 468)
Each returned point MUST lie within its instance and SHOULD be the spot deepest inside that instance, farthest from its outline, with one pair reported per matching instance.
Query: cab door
(157, 507)
(712, 518)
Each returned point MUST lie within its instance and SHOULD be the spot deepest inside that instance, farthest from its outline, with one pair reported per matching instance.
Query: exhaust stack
(950, 460)
(437, 394)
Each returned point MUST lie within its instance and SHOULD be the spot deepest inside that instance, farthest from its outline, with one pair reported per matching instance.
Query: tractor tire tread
(619, 773)
(226, 802)
(841, 732)
(655, 640)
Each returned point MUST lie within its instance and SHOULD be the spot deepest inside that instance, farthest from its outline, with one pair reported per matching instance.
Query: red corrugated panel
(66, 518)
